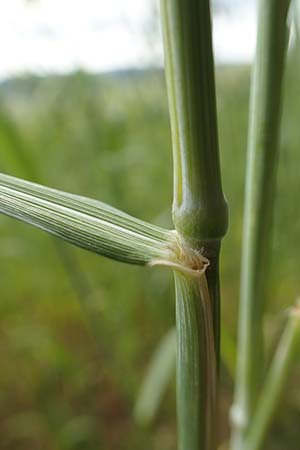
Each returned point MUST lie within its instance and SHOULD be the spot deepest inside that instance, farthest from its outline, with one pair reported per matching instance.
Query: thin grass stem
(16, 154)
(276, 379)
(263, 146)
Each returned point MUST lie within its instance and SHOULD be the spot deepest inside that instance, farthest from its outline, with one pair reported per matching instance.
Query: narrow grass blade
(159, 373)
(85, 223)
(15, 151)
(284, 357)
(228, 351)
(16, 155)
(296, 20)
(263, 149)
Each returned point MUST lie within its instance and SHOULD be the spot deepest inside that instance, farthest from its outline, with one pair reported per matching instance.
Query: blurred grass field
(71, 369)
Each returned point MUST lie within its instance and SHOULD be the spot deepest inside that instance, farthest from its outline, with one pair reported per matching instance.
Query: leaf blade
(84, 222)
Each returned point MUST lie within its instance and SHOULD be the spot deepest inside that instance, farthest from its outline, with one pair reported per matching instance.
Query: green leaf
(296, 20)
(157, 378)
(86, 223)
(285, 356)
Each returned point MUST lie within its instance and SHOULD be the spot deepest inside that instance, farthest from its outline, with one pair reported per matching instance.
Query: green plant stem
(160, 373)
(199, 208)
(284, 357)
(196, 365)
(199, 212)
(263, 144)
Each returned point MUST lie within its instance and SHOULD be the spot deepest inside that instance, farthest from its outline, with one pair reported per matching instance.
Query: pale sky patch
(99, 35)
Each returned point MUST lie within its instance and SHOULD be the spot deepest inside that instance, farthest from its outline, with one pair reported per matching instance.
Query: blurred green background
(74, 349)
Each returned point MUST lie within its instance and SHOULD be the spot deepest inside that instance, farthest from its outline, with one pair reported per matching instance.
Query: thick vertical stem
(199, 212)
(199, 208)
(263, 143)
(196, 365)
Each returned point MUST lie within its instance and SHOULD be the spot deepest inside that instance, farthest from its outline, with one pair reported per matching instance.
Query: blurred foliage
(62, 385)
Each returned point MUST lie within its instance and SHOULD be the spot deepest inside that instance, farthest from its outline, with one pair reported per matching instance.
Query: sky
(43, 36)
